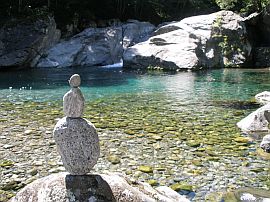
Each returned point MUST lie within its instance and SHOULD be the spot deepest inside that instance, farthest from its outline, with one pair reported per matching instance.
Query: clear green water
(181, 124)
(186, 87)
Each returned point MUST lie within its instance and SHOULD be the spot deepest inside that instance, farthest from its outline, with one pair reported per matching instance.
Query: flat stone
(146, 169)
(8, 146)
(78, 144)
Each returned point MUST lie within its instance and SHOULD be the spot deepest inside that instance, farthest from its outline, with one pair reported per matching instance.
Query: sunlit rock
(263, 97)
(214, 40)
(257, 121)
(63, 187)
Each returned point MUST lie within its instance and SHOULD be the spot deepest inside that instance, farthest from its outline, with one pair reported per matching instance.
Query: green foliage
(226, 4)
(243, 6)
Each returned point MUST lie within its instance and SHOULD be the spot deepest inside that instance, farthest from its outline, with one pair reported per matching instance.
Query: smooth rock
(96, 46)
(265, 144)
(194, 42)
(75, 81)
(63, 187)
(146, 169)
(256, 121)
(73, 103)
(263, 97)
(78, 144)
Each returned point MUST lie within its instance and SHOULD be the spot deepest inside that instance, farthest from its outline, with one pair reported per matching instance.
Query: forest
(155, 11)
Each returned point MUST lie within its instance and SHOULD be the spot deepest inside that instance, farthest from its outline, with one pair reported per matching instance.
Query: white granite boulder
(215, 40)
(63, 187)
(257, 121)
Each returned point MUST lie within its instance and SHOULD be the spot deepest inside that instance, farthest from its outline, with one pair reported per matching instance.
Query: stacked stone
(76, 138)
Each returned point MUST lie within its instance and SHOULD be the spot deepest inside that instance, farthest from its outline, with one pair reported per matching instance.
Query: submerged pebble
(153, 140)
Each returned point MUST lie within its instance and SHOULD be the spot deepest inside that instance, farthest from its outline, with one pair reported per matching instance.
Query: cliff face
(21, 43)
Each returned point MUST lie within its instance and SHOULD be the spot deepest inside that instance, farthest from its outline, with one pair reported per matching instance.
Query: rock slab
(78, 144)
(63, 187)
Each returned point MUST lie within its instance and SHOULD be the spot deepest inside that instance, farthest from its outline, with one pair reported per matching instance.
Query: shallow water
(180, 124)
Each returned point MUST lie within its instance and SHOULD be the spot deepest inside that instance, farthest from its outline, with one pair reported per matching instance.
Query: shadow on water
(46, 78)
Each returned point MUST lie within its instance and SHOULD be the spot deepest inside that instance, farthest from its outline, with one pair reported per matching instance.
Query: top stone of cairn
(75, 81)
(73, 101)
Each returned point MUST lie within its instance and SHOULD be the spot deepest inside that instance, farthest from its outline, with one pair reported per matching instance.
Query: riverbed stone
(265, 144)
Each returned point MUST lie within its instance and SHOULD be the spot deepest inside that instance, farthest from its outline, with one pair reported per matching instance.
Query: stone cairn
(76, 138)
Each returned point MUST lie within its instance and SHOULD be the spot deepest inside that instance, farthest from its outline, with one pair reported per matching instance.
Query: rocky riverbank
(220, 39)
(195, 152)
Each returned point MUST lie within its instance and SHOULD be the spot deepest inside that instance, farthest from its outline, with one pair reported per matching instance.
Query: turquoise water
(182, 123)
(184, 87)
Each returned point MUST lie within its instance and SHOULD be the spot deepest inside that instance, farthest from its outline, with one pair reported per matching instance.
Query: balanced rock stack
(76, 138)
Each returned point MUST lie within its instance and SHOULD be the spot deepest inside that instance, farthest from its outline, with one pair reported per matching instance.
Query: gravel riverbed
(150, 140)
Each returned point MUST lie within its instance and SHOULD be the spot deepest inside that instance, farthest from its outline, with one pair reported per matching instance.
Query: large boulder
(96, 46)
(215, 40)
(22, 42)
(64, 187)
(257, 121)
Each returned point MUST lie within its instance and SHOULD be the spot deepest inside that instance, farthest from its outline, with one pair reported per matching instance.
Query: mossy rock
(152, 182)
(263, 154)
(242, 140)
(181, 186)
(214, 197)
(5, 195)
(146, 169)
(114, 159)
(193, 143)
(6, 163)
